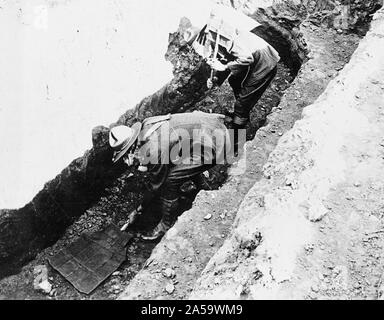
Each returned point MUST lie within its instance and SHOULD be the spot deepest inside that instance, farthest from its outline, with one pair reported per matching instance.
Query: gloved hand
(216, 64)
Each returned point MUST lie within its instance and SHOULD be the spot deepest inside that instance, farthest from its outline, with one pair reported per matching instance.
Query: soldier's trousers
(170, 190)
(247, 92)
(177, 176)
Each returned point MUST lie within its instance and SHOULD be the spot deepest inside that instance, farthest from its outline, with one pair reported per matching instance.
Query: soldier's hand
(209, 84)
(216, 65)
(132, 218)
(134, 214)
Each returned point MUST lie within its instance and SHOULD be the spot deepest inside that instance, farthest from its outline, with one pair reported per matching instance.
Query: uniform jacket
(243, 52)
(178, 140)
(249, 50)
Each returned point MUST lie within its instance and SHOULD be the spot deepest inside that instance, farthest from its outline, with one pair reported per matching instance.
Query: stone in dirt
(381, 294)
(169, 273)
(208, 216)
(170, 288)
(41, 281)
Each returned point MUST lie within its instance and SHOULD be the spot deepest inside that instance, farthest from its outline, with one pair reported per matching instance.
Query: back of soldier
(197, 120)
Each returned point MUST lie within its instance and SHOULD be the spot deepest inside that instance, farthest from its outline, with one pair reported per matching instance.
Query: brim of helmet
(136, 131)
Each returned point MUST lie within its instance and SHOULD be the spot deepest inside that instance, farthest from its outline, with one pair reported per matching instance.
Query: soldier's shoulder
(156, 119)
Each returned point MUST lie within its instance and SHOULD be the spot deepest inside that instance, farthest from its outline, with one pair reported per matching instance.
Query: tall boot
(169, 211)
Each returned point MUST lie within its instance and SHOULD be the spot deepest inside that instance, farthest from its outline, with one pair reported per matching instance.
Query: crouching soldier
(173, 149)
(249, 63)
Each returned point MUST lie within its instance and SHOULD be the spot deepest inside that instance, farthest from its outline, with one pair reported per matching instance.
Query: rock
(313, 296)
(208, 216)
(116, 288)
(337, 270)
(41, 282)
(381, 293)
(316, 211)
(315, 288)
(170, 288)
(290, 180)
(169, 273)
(309, 248)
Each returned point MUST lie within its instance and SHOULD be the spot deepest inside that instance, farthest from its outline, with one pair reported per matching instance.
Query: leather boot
(169, 210)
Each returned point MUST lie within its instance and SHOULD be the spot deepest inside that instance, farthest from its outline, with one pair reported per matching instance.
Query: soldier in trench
(173, 149)
(247, 61)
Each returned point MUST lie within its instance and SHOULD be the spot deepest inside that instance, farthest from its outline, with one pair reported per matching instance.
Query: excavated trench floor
(286, 97)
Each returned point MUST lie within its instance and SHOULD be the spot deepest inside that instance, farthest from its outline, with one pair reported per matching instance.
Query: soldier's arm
(244, 58)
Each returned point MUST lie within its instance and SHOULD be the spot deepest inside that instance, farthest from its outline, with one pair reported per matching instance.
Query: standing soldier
(173, 149)
(248, 61)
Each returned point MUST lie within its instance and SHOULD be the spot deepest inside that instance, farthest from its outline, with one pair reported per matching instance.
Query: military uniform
(251, 66)
(177, 148)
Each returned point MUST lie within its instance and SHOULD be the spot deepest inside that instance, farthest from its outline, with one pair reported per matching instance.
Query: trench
(123, 192)
(90, 194)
